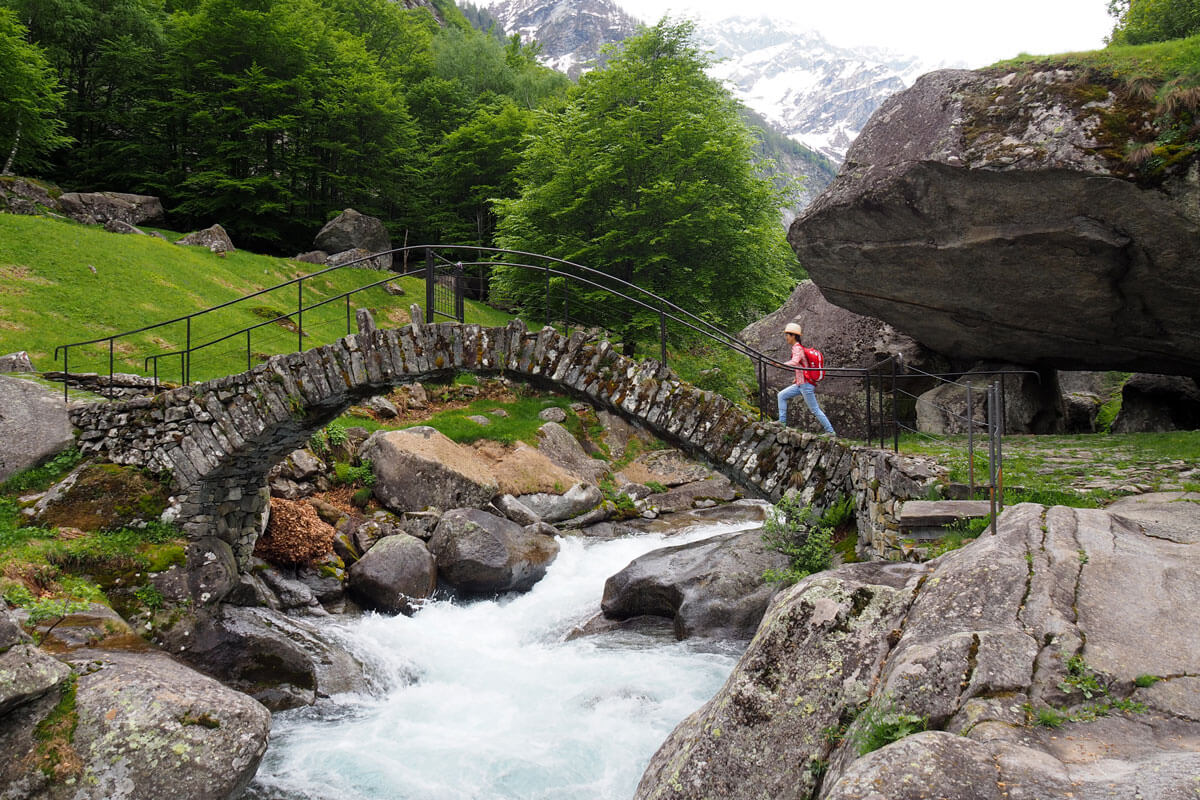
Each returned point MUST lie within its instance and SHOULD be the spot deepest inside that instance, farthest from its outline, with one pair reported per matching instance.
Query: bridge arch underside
(219, 439)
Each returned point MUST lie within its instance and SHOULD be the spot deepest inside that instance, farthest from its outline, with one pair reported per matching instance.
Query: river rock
(418, 468)
(480, 554)
(712, 588)
(550, 507)
(100, 207)
(993, 215)
(26, 673)
(33, 425)
(710, 491)
(146, 727)
(558, 445)
(515, 510)
(394, 575)
(974, 642)
(351, 230)
(668, 467)
(281, 661)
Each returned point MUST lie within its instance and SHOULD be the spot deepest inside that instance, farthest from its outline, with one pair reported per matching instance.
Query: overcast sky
(969, 31)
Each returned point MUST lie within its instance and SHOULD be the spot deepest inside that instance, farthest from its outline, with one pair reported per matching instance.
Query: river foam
(486, 701)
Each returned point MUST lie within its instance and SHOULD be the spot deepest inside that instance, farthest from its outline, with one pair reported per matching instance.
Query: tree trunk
(12, 154)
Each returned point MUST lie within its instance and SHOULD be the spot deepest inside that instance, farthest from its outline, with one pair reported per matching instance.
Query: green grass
(1063, 470)
(52, 297)
(520, 425)
(1158, 61)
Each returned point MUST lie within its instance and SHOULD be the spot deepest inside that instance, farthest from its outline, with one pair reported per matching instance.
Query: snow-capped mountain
(571, 32)
(817, 93)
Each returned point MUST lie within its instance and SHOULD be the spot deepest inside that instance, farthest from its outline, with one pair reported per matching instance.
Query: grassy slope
(1160, 61)
(51, 297)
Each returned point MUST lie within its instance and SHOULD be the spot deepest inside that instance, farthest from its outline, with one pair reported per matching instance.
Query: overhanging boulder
(991, 215)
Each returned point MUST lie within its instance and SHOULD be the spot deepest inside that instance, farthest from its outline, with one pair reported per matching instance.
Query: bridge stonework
(217, 440)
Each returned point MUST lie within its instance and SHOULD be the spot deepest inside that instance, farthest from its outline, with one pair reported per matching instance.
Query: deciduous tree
(648, 175)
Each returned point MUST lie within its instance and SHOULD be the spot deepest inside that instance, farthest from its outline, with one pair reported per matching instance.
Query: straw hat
(794, 327)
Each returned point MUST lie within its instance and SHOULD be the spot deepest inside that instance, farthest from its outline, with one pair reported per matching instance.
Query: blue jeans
(810, 398)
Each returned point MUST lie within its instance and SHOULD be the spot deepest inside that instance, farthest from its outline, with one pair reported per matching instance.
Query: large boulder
(557, 444)
(1032, 402)
(281, 661)
(352, 231)
(845, 339)
(551, 507)
(1063, 613)
(1156, 403)
(26, 673)
(711, 588)
(214, 238)
(100, 207)
(418, 468)
(33, 425)
(482, 554)
(396, 573)
(144, 726)
(993, 215)
(26, 196)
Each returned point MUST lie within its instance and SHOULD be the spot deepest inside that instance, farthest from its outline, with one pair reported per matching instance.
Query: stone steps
(926, 520)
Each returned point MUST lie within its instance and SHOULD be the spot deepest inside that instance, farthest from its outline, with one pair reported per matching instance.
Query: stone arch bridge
(217, 440)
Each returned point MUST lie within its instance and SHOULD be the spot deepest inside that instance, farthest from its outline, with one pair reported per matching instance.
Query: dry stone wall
(218, 440)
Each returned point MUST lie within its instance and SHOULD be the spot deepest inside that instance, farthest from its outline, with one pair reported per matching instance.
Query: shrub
(796, 531)
(882, 724)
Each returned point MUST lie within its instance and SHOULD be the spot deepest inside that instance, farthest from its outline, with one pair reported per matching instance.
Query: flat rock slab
(930, 513)
(1164, 515)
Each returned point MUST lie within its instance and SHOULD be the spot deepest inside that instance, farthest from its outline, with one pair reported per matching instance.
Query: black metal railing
(444, 273)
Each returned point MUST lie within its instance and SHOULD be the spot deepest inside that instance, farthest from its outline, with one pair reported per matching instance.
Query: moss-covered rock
(102, 497)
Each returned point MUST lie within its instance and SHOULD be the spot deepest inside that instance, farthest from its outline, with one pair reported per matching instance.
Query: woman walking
(804, 377)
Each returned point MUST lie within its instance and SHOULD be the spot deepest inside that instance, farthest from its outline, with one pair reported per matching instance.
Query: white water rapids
(485, 701)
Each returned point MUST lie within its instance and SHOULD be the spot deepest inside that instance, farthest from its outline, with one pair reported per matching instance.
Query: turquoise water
(486, 701)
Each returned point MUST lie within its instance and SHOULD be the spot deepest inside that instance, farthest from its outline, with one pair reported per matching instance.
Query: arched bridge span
(219, 439)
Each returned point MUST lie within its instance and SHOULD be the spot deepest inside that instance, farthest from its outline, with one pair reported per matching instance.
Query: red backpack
(816, 363)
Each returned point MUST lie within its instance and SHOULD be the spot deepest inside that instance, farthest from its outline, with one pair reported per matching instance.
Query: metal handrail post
(1000, 427)
(567, 307)
(299, 316)
(247, 351)
(111, 392)
(662, 335)
(66, 372)
(992, 454)
(460, 281)
(867, 382)
(970, 441)
(882, 430)
(895, 411)
(186, 358)
(547, 295)
(348, 329)
(430, 281)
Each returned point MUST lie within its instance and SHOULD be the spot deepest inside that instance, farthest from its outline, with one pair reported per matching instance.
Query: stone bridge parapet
(217, 440)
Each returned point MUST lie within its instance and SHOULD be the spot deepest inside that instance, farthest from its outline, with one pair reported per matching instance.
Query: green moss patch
(107, 497)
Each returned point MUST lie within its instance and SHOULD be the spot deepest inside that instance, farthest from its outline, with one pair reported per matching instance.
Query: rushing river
(486, 701)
